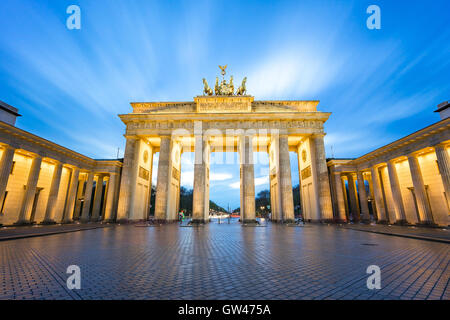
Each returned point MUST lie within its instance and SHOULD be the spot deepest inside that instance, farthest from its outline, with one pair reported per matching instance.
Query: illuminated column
(340, 197)
(162, 184)
(364, 205)
(110, 195)
(419, 190)
(53, 194)
(324, 193)
(70, 204)
(443, 161)
(396, 193)
(248, 214)
(150, 185)
(200, 201)
(5, 169)
(78, 199)
(87, 197)
(128, 178)
(354, 208)
(96, 209)
(30, 191)
(198, 198)
(287, 200)
(378, 195)
(274, 177)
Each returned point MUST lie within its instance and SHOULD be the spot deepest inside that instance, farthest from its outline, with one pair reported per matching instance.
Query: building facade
(224, 124)
(404, 182)
(42, 182)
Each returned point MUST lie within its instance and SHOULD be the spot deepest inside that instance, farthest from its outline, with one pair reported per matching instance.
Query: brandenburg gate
(224, 121)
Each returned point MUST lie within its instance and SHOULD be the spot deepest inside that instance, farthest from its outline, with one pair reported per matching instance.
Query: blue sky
(69, 85)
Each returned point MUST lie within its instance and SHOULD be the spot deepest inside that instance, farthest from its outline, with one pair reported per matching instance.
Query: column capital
(131, 137)
(348, 174)
(441, 145)
(392, 161)
(412, 155)
(9, 146)
(55, 161)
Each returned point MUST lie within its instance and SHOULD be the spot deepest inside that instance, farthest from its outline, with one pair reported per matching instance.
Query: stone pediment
(226, 104)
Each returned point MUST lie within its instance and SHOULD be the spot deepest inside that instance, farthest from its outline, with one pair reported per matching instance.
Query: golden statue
(207, 90)
(216, 87)
(223, 69)
(231, 87)
(242, 90)
(223, 88)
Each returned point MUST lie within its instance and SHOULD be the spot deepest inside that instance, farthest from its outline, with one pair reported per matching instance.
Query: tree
(262, 202)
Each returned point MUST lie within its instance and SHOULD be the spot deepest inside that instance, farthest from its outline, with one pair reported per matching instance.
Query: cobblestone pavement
(223, 261)
(17, 232)
(436, 234)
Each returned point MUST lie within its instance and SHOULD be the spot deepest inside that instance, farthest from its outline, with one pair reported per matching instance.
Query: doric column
(162, 184)
(110, 195)
(248, 214)
(443, 161)
(274, 177)
(340, 201)
(419, 190)
(30, 191)
(53, 194)
(128, 178)
(287, 200)
(198, 198)
(5, 169)
(96, 209)
(150, 185)
(378, 195)
(364, 205)
(78, 199)
(325, 205)
(70, 204)
(354, 208)
(396, 193)
(87, 198)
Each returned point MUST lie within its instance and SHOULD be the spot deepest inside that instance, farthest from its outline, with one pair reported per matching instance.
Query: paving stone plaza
(223, 261)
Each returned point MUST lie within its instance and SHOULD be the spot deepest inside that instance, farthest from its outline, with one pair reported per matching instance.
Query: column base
(124, 220)
(48, 222)
(340, 221)
(427, 224)
(385, 222)
(365, 221)
(401, 223)
(109, 221)
(67, 221)
(289, 221)
(24, 223)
